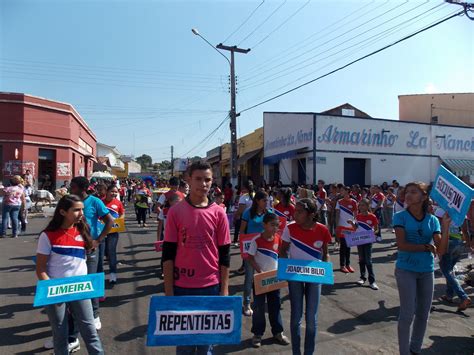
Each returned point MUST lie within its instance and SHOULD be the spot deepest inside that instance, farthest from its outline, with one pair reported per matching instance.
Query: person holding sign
(346, 209)
(61, 252)
(419, 238)
(305, 240)
(196, 248)
(366, 221)
(263, 256)
(116, 211)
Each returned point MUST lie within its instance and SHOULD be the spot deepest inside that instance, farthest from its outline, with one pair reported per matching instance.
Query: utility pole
(172, 163)
(233, 113)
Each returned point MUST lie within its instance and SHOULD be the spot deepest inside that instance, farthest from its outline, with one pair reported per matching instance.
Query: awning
(248, 156)
(460, 167)
(273, 159)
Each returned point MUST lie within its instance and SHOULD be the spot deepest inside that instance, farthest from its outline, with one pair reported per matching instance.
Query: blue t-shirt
(94, 209)
(255, 224)
(416, 232)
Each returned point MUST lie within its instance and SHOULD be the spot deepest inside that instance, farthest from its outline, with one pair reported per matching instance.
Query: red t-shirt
(306, 244)
(115, 207)
(198, 233)
(375, 200)
(366, 222)
(288, 211)
(322, 195)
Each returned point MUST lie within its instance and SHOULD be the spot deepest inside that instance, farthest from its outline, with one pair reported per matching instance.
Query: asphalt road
(352, 319)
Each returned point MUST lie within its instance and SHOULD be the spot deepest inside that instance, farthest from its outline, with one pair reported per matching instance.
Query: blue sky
(144, 82)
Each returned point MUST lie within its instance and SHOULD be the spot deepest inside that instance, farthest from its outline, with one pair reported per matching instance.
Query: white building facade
(361, 150)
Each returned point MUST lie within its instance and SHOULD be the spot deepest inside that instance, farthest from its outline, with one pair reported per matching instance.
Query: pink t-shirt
(12, 195)
(198, 232)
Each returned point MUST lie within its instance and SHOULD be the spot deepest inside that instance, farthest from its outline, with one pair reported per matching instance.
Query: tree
(165, 165)
(145, 161)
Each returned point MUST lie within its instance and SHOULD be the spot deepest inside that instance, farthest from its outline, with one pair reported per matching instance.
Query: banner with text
(320, 272)
(69, 289)
(452, 195)
(194, 320)
(359, 238)
(265, 282)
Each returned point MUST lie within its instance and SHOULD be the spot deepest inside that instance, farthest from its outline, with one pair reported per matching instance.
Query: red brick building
(47, 137)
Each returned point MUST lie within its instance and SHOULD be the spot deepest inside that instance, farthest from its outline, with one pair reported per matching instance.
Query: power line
(287, 72)
(354, 61)
(301, 44)
(245, 21)
(331, 40)
(281, 24)
(263, 22)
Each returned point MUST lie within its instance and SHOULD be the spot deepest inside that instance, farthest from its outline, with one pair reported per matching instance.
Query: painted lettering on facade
(369, 138)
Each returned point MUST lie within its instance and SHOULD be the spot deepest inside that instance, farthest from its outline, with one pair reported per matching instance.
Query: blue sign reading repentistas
(194, 320)
(452, 195)
(69, 289)
(320, 272)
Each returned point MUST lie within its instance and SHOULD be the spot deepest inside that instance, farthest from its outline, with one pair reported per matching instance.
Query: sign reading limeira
(69, 289)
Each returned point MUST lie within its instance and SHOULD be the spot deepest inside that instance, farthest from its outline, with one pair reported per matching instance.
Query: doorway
(47, 169)
(302, 171)
(354, 171)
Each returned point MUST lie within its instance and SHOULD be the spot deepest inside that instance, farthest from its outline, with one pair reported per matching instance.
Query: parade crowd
(195, 219)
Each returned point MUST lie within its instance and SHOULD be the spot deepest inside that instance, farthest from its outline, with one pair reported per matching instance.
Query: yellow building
(443, 109)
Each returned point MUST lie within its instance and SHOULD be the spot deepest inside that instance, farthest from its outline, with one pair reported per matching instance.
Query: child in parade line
(388, 208)
(141, 204)
(419, 237)
(263, 256)
(196, 250)
(219, 199)
(116, 211)
(457, 237)
(305, 240)
(346, 209)
(252, 222)
(285, 205)
(365, 221)
(61, 252)
(243, 202)
(376, 206)
(323, 209)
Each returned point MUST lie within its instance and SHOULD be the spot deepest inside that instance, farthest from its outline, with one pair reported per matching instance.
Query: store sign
(194, 320)
(452, 195)
(69, 289)
(305, 271)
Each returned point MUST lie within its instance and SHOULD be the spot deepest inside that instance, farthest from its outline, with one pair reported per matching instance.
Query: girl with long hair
(419, 238)
(61, 252)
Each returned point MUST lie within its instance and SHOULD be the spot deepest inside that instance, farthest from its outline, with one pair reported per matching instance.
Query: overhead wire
(244, 22)
(281, 24)
(263, 22)
(291, 59)
(286, 72)
(301, 44)
(459, 13)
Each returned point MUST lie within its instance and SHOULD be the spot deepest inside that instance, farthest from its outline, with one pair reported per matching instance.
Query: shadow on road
(381, 314)
(451, 345)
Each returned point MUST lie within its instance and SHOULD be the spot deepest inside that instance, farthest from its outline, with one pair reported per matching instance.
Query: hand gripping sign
(452, 195)
(159, 245)
(360, 238)
(244, 240)
(69, 289)
(267, 281)
(194, 320)
(119, 226)
(319, 272)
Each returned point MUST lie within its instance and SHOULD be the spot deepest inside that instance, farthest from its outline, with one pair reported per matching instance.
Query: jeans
(100, 255)
(10, 211)
(111, 246)
(92, 263)
(416, 293)
(258, 317)
(446, 265)
(365, 262)
(388, 216)
(378, 214)
(248, 281)
(344, 253)
(311, 292)
(237, 224)
(323, 217)
(82, 312)
(206, 291)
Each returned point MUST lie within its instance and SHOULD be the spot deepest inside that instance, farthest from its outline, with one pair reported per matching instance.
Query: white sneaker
(72, 347)
(113, 277)
(361, 282)
(97, 323)
(374, 286)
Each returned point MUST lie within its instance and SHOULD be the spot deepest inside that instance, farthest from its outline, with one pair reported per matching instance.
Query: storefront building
(47, 137)
(361, 150)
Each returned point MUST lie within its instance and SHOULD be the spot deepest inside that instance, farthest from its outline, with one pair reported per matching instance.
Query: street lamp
(196, 32)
